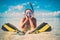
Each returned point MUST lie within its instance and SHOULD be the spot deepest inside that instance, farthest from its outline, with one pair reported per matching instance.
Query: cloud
(47, 14)
(33, 4)
(24, 4)
(17, 11)
(14, 11)
(27, 3)
(38, 7)
(47, 6)
(19, 7)
(56, 13)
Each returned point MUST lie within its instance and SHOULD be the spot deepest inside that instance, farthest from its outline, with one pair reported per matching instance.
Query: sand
(40, 36)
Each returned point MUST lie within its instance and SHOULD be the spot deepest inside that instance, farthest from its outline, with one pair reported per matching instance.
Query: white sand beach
(40, 36)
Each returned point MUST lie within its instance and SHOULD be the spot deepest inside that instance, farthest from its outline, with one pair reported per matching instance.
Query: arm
(32, 23)
(22, 23)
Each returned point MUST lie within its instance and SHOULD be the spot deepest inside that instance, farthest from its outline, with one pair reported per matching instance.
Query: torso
(27, 25)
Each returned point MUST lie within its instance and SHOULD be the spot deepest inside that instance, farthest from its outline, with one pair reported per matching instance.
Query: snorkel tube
(29, 14)
(31, 7)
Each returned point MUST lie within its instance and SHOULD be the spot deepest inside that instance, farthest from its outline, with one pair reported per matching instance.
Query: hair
(31, 11)
(28, 9)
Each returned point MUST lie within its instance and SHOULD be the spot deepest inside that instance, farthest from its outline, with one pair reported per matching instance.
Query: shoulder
(34, 19)
(22, 19)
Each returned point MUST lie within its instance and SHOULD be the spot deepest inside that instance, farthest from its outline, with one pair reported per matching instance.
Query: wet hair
(28, 9)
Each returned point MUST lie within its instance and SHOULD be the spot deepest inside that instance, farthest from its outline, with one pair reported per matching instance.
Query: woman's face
(28, 13)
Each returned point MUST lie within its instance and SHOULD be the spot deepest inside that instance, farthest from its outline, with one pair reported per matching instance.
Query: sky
(44, 5)
(38, 5)
(44, 8)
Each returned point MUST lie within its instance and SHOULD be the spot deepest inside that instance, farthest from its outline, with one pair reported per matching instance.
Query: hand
(30, 19)
(28, 32)
(27, 18)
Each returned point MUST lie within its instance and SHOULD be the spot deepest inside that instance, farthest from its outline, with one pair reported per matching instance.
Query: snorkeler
(28, 23)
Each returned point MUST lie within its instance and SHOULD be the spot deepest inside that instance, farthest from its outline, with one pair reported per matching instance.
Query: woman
(28, 22)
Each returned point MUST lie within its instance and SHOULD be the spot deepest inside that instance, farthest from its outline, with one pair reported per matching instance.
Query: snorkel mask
(29, 14)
